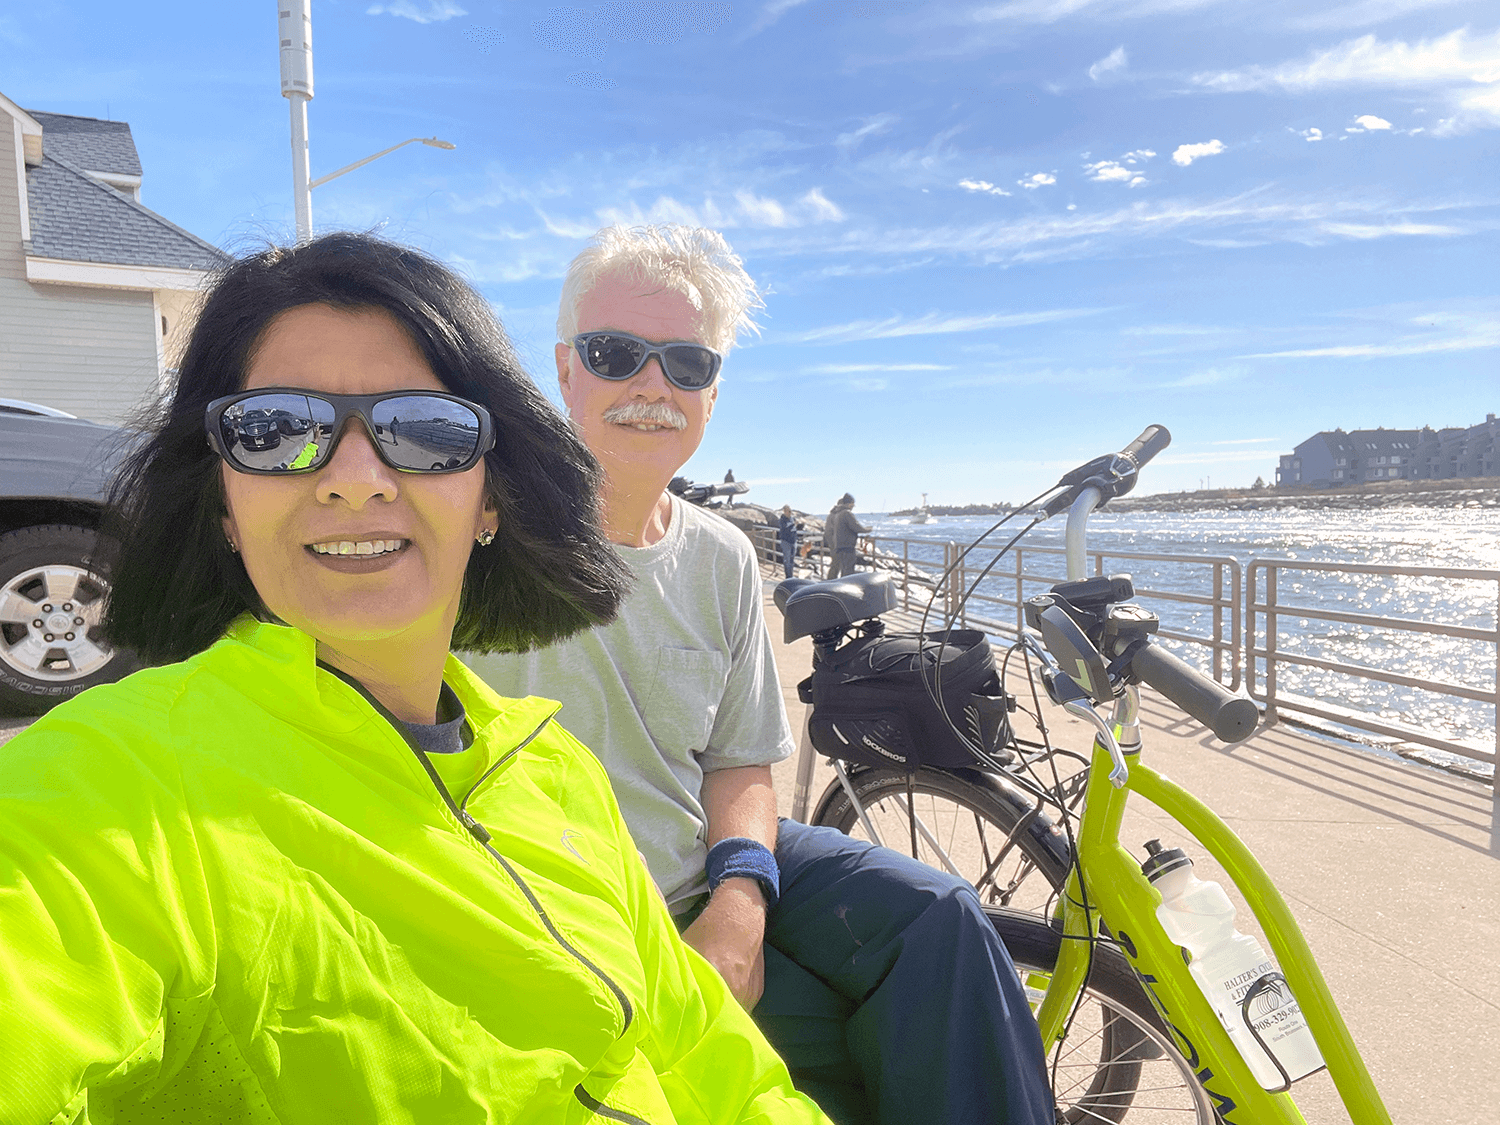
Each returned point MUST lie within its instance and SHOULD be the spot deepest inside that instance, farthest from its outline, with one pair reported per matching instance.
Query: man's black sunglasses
(279, 430)
(616, 356)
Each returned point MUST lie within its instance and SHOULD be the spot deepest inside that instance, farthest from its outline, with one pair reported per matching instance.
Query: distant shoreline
(1475, 492)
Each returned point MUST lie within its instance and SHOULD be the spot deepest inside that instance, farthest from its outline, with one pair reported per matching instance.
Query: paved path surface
(1385, 864)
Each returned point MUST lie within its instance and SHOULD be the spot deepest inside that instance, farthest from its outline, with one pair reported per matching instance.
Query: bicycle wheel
(970, 822)
(1118, 1062)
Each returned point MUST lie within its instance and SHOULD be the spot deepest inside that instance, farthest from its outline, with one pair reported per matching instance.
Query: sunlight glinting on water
(1415, 537)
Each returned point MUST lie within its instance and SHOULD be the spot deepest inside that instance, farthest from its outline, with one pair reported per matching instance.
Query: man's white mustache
(650, 413)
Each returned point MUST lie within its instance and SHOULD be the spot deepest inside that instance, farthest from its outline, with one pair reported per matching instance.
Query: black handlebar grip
(1232, 718)
(1152, 441)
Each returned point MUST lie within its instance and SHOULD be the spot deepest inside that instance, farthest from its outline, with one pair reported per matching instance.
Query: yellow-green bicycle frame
(1124, 899)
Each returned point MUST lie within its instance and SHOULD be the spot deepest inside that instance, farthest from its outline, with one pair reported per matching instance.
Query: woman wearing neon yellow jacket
(310, 868)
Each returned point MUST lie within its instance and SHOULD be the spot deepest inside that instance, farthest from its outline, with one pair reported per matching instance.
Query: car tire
(52, 592)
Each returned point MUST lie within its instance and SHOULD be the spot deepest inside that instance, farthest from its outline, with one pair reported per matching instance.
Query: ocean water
(1428, 537)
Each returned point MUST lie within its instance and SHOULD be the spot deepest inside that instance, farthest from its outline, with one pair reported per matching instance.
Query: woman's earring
(233, 546)
(485, 537)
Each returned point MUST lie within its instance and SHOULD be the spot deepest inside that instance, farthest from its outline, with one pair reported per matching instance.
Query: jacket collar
(285, 660)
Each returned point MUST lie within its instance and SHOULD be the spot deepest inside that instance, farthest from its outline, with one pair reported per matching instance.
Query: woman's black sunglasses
(615, 356)
(278, 430)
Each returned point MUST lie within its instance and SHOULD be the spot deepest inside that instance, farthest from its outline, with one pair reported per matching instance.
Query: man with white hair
(878, 979)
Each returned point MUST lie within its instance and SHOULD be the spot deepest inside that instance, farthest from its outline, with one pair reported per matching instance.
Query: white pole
(295, 26)
(301, 189)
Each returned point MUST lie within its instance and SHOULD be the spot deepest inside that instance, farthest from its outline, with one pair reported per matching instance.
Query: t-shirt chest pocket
(684, 698)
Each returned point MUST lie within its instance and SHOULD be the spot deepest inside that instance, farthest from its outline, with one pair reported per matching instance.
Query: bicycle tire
(1118, 1062)
(1023, 863)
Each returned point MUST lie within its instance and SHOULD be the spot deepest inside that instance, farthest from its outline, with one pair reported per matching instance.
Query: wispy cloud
(1204, 377)
(873, 126)
(1186, 154)
(1368, 123)
(1368, 61)
(1246, 219)
(1445, 332)
(1051, 11)
(770, 14)
(1363, 13)
(744, 209)
(933, 324)
(1115, 60)
(1366, 231)
(1465, 68)
(853, 368)
(422, 11)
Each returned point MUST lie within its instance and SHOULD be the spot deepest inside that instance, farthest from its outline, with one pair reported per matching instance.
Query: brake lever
(1039, 651)
(1083, 709)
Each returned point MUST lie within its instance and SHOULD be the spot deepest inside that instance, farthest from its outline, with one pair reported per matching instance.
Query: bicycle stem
(1076, 545)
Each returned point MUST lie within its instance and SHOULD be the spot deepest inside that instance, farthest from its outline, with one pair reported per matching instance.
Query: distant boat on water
(922, 515)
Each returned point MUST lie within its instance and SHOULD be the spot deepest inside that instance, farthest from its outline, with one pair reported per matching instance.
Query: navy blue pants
(889, 994)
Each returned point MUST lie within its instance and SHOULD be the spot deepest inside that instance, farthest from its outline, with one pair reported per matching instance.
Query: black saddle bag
(872, 707)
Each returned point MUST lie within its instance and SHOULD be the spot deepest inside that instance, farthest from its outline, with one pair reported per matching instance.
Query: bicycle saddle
(810, 607)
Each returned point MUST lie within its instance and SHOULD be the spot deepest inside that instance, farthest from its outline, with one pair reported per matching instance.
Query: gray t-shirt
(682, 683)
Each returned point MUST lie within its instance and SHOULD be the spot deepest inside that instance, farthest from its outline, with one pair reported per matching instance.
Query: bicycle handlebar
(1113, 474)
(1232, 718)
(1152, 441)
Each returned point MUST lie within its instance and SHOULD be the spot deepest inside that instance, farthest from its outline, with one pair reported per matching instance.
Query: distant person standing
(840, 534)
(786, 536)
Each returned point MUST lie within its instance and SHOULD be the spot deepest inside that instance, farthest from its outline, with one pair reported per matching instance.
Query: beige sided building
(95, 289)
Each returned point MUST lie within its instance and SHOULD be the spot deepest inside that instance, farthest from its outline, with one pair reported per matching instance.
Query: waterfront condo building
(1334, 459)
(96, 289)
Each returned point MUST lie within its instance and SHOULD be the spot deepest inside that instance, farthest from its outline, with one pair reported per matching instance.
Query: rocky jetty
(1472, 493)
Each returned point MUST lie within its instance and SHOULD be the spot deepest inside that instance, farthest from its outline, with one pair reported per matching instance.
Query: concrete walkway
(1385, 864)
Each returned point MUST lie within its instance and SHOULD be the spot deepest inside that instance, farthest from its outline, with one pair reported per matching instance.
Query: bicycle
(1113, 992)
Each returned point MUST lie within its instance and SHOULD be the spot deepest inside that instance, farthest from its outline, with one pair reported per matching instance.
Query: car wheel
(52, 594)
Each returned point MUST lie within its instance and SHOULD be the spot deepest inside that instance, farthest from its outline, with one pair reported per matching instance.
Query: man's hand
(731, 934)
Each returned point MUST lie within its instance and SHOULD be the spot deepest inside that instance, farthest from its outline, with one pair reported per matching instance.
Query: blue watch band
(741, 857)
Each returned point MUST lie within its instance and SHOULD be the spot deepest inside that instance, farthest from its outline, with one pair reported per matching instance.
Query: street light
(431, 142)
(295, 25)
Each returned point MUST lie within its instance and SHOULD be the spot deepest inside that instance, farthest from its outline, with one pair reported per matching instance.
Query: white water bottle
(1227, 964)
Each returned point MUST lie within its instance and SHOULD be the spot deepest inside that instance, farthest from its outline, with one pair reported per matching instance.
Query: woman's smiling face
(287, 529)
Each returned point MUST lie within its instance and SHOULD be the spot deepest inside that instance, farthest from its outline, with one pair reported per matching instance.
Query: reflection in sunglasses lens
(287, 432)
(692, 367)
(419, 432)
(276, 431)
(611, 357)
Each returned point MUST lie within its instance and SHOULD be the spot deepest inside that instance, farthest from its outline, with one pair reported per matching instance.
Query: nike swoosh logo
(568, 837)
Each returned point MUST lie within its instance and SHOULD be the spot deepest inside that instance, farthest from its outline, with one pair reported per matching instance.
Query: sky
(995, 237)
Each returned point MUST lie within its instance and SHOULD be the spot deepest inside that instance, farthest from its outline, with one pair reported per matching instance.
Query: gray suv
(55, 471)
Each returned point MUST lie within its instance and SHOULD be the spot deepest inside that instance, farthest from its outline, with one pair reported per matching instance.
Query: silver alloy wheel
(47, 614)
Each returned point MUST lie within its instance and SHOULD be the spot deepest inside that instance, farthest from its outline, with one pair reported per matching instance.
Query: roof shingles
(94, 145)
(78, 219)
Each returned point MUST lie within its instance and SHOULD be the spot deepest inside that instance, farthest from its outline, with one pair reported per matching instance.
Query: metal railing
(1231, 596)
(1237, 611)
(1273, 610)
(1222, 580)
(920, 573)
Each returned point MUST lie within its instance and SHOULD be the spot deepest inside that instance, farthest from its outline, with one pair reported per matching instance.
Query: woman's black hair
(550, 572)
